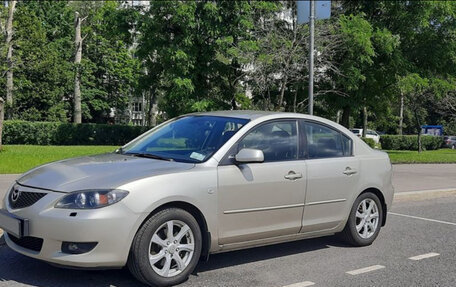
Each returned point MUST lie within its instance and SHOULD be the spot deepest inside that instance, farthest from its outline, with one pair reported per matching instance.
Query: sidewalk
(415, 177)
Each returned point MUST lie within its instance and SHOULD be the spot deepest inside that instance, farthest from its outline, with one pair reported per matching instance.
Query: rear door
(332, 176)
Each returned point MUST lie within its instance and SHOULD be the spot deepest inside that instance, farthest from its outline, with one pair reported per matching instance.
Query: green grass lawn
(20, 158)
(432, 156)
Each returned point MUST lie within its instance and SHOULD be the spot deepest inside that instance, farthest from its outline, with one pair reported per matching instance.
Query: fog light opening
(78, 247)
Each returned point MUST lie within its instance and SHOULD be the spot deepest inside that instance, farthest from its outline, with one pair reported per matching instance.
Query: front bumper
(112, 227)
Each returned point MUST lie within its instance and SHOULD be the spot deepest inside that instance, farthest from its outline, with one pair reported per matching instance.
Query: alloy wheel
(171, 248)
(367, 218)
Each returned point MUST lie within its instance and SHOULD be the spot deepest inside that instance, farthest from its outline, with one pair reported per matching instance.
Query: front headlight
(90, 199)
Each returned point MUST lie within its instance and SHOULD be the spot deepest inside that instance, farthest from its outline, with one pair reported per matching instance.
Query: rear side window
(324, 142)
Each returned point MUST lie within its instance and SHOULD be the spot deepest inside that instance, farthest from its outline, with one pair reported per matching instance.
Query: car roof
(251, 114)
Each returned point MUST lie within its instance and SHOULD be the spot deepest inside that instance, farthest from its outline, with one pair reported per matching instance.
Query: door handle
(293, 175)
(349, 171)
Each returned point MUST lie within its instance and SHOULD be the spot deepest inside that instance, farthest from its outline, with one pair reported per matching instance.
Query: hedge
(410, 142)
(370, 142)
(55, 133)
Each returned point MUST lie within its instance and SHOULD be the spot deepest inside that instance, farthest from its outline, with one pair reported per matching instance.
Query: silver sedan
(200, 184)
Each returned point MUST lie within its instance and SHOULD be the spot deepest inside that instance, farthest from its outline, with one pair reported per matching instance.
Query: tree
(191, 51)
(427, 47)
(2, 117)
(77, 117)
(43, 76)
(110, 71)
(9, 57)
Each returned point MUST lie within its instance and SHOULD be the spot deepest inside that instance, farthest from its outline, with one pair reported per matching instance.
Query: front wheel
(166, 248)
(365, 220)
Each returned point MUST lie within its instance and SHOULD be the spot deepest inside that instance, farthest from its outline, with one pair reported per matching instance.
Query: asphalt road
(322, 261)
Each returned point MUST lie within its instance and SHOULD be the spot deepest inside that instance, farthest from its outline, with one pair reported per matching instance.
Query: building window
(137, 107)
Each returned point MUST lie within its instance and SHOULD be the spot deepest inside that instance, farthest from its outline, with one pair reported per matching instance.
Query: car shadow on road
(15, 267)
(18, 268)
(246, 256)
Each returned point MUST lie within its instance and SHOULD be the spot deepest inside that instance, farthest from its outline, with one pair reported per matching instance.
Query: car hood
(97, 172)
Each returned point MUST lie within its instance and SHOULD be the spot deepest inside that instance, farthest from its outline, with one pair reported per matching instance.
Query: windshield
(188, 139)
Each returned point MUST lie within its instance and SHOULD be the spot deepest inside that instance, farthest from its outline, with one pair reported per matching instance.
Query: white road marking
(301, 284)
(422, 218)
(365, 270)
(424, 256)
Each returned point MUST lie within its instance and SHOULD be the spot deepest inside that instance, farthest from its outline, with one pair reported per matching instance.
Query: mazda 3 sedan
(200, 184)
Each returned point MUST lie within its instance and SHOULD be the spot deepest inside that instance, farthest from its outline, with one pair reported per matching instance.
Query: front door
(262, 200)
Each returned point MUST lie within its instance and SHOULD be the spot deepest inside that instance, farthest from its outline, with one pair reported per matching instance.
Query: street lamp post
(308, 12)
(311, 54)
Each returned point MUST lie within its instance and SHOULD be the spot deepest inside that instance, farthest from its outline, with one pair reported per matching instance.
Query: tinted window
(188, 139)
(324, 142)
(277, 140)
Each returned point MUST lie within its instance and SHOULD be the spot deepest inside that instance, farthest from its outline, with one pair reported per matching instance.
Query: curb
(424, 194)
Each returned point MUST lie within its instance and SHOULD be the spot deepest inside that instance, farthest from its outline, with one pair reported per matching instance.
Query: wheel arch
(197, 214)
(381, 197)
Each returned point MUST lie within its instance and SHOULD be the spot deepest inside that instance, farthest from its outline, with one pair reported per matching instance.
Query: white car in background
(370, 134)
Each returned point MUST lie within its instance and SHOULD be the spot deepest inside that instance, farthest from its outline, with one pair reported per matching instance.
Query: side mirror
(248, 155)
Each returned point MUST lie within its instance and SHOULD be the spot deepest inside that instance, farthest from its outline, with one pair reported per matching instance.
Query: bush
(370, 142)
(55, 133)
(410, 142)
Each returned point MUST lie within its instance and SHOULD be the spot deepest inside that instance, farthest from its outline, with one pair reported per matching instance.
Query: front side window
(324, 142)
(278, 140)
(188, 139)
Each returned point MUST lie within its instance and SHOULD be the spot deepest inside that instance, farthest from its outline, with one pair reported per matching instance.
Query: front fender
(197, 187)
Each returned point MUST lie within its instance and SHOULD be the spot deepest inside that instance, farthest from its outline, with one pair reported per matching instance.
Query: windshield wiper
(148, 155)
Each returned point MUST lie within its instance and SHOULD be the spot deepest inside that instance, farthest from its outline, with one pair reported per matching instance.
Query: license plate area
(19, 227)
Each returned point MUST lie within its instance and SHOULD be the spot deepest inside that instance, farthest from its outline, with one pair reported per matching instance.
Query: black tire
(138, 260)
(350, 234)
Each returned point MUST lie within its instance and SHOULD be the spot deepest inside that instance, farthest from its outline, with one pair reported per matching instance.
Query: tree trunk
(151, 111)
(9, 58)
(282, 92)
(364, 121)
(2, 117)
(338, 116)
(346, 117)
(295, 99)
(418, 125)
(77, 116)
(401, 114)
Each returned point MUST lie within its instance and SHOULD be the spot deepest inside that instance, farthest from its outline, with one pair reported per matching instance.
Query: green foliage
(44, 53)
(410, 142)
(192, 51)
(187, 56)
(370, 142)
(55, 133)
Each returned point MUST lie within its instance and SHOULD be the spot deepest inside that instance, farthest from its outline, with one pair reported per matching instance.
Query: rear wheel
(365, 220)
(166, 248)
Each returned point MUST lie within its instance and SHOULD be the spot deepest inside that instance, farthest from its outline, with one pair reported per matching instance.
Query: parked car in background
(199, 184)
(370, 134)
(449, 142)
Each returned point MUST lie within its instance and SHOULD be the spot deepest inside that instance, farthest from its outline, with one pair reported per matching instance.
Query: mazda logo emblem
(15, 195)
